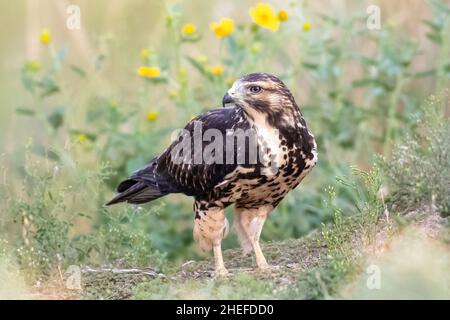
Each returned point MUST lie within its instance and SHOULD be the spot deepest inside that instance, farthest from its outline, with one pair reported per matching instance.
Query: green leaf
(447, 67)
(158, 80)
(78, 71)
(27, 80)
(329, 19)
(368, 61)
(425, 73)
(99, 61)
(56, 118)
(194, 38)
(48, 86)
(435, 37)
(84, 215)
(39, 150)
(25, 112)
(362, 83)
(196, 65)
(310, 65)
(433, 25)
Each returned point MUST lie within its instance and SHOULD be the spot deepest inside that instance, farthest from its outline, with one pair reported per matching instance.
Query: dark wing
(199, 178)
(167, 174)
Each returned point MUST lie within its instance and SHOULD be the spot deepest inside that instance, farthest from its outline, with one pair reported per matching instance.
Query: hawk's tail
(141, 187)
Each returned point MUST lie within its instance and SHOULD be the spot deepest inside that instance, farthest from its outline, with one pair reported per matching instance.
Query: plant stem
(393, 101)
(444, 53)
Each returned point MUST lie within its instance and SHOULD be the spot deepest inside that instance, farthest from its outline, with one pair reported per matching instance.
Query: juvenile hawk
(219, 173)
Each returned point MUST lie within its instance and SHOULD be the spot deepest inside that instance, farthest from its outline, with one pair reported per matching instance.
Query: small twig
(60, 274)
(146, 271)
(187, 263)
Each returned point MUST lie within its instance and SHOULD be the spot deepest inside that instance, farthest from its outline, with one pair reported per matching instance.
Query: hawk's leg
(249, 224)
(220, 269)
(210, 227)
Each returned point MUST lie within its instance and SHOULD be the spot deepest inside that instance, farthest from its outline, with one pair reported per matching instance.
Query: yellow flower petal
(306, 26)
(223, 28)
(216, 70)
(45, 37)
(264, 16)
(152, 116)
(283, 15)
(82, 138)
(188, 29)
(148, 72)
(145, 53)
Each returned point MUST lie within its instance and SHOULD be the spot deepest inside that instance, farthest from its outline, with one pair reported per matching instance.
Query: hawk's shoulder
(193, 177)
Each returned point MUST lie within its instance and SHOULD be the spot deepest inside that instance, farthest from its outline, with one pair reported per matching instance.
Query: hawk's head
(263, 94)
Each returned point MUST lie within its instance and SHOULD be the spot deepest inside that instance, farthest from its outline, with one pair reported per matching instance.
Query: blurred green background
(76, 117)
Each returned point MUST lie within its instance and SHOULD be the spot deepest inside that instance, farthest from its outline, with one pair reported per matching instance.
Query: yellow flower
(45, 37)
(283, 15)
(82, 138)
(263, 15)
(172, 93)
(145, 53)
(152, 116)
(188, 29)
(223, 28)
(216, 70)
(148, 72)
(306, 26)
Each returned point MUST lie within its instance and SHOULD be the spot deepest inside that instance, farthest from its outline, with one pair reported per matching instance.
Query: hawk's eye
(255, 89)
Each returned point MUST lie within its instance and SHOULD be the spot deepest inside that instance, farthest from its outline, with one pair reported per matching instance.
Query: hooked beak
(227, 98)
